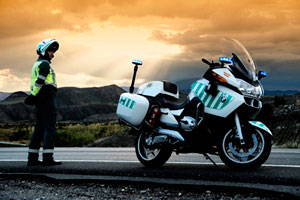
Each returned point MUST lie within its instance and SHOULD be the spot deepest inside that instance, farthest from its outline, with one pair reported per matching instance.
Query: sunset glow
(98, 39)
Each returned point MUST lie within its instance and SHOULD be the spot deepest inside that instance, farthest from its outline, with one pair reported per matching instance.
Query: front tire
(150, 157)
(249, 156)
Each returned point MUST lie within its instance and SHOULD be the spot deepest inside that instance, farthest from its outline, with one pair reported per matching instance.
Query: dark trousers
(44, 130)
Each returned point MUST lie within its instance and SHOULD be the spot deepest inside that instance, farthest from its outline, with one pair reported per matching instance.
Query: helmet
(47, 45)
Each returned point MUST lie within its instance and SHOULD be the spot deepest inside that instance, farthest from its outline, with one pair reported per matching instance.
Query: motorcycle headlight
(249, 90)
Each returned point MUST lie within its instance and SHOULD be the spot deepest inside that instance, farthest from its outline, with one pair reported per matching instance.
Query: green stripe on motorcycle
(205, 98)
(217, 103)
(212, 100)
(198, 88)
(194, 85)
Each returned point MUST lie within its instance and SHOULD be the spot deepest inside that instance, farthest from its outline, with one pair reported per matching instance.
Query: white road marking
(134, 161)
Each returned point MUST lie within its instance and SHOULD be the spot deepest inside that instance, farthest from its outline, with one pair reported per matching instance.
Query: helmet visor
(53, 47)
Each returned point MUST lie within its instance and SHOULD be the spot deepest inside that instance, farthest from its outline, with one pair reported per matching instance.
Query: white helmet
(48, 44)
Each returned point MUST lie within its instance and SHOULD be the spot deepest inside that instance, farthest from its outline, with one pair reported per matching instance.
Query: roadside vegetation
(69, 135)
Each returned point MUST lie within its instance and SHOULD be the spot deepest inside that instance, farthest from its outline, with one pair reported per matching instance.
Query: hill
(3, 95)
(86, 105)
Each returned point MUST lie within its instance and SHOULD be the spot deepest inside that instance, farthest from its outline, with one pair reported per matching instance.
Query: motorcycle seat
(174, 106)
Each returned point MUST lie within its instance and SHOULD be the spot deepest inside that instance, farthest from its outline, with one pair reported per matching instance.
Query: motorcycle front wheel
(249, 156)
(150, 157)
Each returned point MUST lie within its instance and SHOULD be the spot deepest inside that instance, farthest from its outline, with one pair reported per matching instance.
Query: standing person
(43, 96)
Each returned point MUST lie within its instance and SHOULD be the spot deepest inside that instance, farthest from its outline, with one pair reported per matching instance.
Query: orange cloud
(98, 37)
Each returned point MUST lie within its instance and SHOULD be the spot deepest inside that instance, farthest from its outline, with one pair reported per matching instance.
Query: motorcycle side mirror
(262, 74)
(211, 64)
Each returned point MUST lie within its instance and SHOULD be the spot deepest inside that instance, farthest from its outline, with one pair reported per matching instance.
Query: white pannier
(132, 108)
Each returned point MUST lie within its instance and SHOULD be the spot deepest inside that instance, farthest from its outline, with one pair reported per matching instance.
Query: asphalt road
(280, 173)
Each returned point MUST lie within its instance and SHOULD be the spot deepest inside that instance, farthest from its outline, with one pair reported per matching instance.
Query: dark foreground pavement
(281, 182)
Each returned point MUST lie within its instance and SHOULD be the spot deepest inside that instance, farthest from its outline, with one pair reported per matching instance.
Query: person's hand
(30, 100)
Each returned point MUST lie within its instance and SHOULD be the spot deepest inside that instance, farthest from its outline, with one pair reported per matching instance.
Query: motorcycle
(217, 117)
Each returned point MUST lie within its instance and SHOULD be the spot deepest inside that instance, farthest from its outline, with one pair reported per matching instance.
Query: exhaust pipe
(171, 133)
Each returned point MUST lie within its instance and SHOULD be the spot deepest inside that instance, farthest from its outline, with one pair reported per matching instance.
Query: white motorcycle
(218, 116)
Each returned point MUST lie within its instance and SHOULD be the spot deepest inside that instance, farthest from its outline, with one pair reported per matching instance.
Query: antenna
(136, 63)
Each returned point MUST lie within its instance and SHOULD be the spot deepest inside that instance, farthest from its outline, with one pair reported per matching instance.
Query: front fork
(238, 128)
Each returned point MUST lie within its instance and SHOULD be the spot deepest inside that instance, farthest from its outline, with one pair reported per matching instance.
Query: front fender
(260, 125)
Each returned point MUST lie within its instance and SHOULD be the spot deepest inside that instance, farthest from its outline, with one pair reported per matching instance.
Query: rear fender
(261, 126)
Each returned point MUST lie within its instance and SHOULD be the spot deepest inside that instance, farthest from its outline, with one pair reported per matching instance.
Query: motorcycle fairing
(226, 74)
(260, 125)
(168, 118)
(222, 104)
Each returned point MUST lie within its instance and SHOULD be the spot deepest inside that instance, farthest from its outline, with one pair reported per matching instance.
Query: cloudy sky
(99, 38)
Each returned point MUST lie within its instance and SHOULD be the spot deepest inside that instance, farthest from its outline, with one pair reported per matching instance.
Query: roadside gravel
(38, 189)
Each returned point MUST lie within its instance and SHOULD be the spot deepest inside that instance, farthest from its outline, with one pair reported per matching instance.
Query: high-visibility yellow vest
(49, 80)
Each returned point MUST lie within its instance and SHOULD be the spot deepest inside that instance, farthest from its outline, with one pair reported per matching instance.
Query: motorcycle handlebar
(212, 64)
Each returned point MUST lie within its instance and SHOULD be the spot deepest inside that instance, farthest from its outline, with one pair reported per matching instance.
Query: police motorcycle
(217, 117)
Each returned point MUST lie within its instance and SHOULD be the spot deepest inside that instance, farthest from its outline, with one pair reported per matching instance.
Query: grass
(77, 135)
(18, 134)
(81, 135)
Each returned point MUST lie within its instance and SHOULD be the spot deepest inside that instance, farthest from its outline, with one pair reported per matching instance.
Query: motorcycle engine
(187, 123)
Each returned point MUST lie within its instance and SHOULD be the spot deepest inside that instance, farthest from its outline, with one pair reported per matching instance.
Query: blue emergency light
(137, 62)
(225, 60)
(262, 74)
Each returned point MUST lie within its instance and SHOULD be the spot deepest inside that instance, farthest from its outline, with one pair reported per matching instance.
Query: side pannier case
(132, 108)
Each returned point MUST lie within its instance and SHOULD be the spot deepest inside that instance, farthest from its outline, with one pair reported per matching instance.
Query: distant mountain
(280, 92)
(184, 85)
(126, 88)
(88, 105)
(3, 95)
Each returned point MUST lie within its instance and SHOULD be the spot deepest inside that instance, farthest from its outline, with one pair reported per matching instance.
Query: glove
(30, 100)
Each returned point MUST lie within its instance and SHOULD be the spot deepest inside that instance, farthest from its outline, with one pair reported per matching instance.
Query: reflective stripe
(53, 76)
(48, 150)
(38, 85)
(33, 151)
(51, 84)
(35, 66)
(42, 77)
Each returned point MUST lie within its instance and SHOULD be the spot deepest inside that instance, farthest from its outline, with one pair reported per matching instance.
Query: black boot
(33, 159)
(51, 162)
(48, 160)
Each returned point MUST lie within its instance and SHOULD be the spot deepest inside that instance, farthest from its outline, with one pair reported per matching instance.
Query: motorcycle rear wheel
(249, 156)
(150, 157)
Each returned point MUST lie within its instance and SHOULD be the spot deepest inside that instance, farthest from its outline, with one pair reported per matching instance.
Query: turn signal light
(219, 78)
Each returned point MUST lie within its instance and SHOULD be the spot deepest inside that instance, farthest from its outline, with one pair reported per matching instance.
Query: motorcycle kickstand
(209, 158)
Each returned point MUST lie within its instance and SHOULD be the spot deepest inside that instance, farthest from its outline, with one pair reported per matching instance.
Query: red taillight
(154, 115)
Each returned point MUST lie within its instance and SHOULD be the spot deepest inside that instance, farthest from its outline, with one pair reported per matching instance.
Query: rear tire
(155, 157)
(250, 156)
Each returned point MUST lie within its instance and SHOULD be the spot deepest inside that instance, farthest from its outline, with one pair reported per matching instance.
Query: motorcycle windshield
(241, 59)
